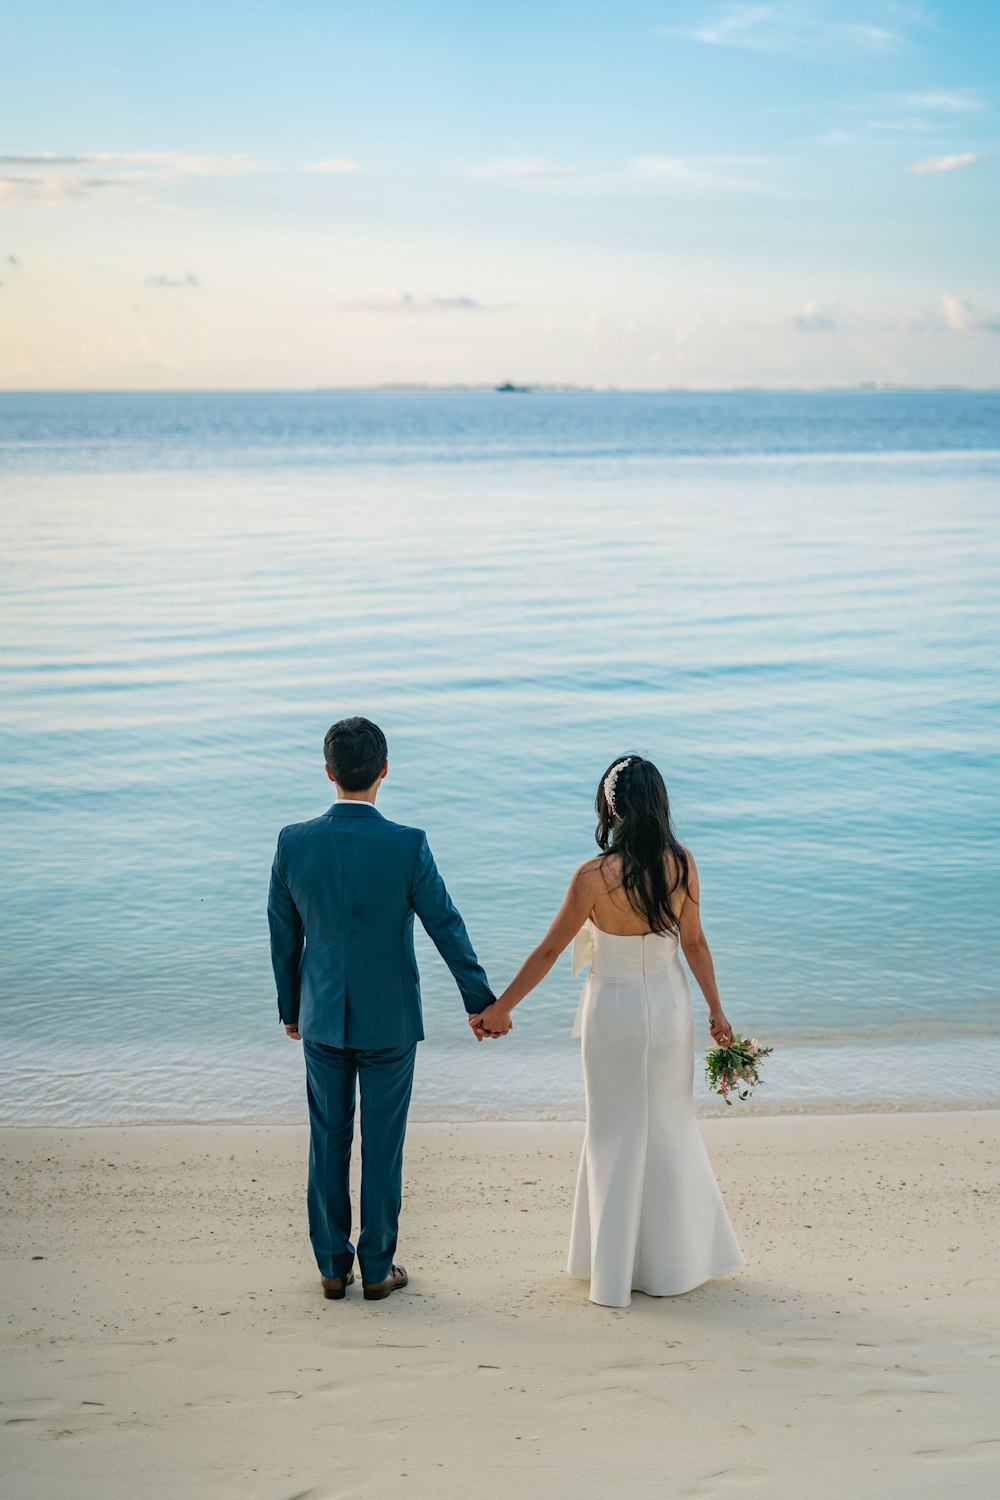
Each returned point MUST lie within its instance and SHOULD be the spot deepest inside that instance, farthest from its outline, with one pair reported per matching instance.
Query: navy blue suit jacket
(345, 888)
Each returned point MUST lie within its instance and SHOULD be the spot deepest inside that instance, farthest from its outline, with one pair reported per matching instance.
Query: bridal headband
(611, 781)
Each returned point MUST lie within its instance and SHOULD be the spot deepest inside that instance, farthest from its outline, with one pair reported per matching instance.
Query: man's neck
(368, 797)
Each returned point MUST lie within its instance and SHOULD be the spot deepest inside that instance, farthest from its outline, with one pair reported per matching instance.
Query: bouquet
(735, 1069)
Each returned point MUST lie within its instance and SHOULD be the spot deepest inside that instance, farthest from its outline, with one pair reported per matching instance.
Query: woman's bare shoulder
(692, 871)
(593, 872)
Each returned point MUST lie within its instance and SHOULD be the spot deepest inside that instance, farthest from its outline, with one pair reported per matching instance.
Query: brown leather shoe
(335, 1287)
(397, 1278)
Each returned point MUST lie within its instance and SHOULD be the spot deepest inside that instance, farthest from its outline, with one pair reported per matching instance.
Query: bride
(648, 1214)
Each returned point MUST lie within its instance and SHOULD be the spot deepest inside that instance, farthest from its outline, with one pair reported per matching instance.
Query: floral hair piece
(611, 781)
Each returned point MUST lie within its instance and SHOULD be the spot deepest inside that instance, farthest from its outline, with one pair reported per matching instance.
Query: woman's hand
(722, 1032)
(492, 1022)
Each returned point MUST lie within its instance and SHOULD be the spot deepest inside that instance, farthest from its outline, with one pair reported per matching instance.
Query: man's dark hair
(355, 751)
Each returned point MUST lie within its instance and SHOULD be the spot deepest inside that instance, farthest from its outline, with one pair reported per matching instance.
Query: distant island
(508, 387)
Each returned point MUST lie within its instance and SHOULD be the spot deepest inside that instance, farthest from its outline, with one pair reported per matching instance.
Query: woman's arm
(699, 957)
(576, 908)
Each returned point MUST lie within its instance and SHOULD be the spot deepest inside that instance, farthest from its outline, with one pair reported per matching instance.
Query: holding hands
(494, 1021)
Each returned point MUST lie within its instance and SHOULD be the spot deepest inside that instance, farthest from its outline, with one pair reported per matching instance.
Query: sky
(699, 195)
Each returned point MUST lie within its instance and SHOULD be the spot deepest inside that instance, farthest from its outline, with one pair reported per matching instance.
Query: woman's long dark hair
(640, 833)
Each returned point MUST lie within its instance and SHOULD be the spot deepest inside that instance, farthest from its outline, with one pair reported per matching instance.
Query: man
(344, 891)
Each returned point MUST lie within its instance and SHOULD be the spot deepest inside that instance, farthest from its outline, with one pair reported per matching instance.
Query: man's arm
(446, 930)
(287, 937)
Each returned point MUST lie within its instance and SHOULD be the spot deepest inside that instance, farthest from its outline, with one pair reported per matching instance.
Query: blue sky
(640, 195)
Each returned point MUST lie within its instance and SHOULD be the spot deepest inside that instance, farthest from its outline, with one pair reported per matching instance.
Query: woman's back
(612, 911)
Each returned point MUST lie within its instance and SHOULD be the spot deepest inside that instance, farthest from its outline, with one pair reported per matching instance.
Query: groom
(344, 891)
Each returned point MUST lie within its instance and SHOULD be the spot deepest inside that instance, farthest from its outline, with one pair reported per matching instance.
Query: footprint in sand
(12, 1412)
(725, 1481)
(324, 1492)
(985, 1449)
(43, 1410)
(216, 1403)
(788, 1362)
(635, 1362)
(87, 1428)
(386, 1380)
(808, 1338)
(879, 1394)
(628, 1398)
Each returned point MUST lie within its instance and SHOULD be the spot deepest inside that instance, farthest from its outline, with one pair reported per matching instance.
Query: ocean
(787, 600)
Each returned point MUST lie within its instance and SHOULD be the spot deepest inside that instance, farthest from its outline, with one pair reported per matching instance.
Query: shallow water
(787, 600)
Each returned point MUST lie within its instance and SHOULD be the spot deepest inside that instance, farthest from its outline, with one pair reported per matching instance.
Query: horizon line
(493, 388)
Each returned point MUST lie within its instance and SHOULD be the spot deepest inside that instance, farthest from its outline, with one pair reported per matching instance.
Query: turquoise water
(789, 601)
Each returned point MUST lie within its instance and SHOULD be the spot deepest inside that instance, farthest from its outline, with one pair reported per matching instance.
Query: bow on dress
(582, 958)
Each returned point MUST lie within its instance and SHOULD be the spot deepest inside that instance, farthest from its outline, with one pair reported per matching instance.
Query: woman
(648, 1214)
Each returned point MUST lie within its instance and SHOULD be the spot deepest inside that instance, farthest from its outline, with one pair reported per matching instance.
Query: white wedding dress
(648, 1214)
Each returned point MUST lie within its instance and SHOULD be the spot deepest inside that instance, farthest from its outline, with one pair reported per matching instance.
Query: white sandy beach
(164, 1334)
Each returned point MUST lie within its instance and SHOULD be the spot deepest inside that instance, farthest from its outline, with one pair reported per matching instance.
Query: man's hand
(293, 1032)
(491, 1022)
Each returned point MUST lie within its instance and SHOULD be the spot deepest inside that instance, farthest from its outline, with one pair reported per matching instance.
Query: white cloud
(44, 159)
(790, 26)
(643, 174)
(732, 27)
(177, 163)
(187, 279)
(957, 102)
(934, 111)
(913, 124)
(819, 317)
(521, 171)
(336, 166)
(966, 317)
(693, 172)
(947, 163)
(398, 301)
(57, 187)
(181, 164)
(132, 174)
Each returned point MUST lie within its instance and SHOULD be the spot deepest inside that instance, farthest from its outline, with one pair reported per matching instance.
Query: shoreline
(779, 1110)
(255, 1083)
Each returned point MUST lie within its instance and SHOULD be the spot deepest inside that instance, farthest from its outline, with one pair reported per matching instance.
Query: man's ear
(385, 771)
(326, 768)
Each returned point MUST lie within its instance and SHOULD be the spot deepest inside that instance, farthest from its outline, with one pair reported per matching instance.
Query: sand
(164, 1334)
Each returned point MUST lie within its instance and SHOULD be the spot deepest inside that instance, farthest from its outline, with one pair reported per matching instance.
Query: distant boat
(509, 388)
